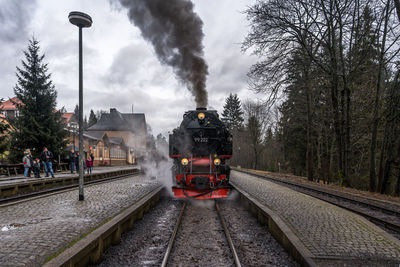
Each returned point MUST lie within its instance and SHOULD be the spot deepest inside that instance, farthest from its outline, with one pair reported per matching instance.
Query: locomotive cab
(200, 148)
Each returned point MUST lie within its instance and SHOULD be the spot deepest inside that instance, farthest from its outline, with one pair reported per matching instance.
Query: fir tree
(39, 124)
(85, 123)
(92, 119)
(76, 112)
(232, 115)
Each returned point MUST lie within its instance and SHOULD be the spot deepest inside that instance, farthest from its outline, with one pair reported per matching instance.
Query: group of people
(31, 164)
(45, 159)
(74, 158)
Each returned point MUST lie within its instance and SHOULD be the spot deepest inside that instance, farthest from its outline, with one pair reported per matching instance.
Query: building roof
(10, 104)
(137, 120)
(69, 116)
(95, 135)
(115, 140)
(116, 121)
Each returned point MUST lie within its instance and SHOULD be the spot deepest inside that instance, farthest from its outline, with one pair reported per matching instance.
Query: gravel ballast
(201, 239)
(254, 244)
(145, 245)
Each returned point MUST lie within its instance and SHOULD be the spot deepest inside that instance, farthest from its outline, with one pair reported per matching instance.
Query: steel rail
(173, 237)
(388, 224)
(42, 193)
(228, 236)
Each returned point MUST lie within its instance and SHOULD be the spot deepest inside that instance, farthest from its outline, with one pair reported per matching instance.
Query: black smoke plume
(175, 31)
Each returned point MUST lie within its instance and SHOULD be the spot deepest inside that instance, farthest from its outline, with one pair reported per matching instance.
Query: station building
(116, 139)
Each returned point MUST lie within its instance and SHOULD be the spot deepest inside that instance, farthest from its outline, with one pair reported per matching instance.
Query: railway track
(42, 193)
(178, 224)
(386, 217)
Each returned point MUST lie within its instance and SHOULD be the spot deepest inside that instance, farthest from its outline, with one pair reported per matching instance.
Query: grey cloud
(14, 19)
(126, 64)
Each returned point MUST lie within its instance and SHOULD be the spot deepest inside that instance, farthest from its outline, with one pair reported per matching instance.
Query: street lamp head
(80, 19)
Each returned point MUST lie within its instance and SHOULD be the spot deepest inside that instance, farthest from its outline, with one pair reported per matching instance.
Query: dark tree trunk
(347, 140)
(375, 120)
(382, 159)
(255, 159)
(397, 5)
(397, 191)
(342, 137)
(336, 123)
(332, 44)
(386, 177)
(309, 155)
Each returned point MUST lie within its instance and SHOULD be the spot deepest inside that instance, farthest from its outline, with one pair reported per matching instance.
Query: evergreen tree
(253, 128)
(85, 123)
(92, 118)
(232, 115)
(39, 124)
(76, 112)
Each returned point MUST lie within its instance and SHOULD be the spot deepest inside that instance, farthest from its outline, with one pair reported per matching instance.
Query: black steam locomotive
(200, 148)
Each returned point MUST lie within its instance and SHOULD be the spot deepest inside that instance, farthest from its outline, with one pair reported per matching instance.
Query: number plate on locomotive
(201, 139)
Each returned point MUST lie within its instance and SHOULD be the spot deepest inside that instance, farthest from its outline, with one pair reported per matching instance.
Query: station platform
(5, 180)
(31, 232)
(329, 235)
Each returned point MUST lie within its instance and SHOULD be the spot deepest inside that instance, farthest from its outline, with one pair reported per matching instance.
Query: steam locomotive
(200, 147)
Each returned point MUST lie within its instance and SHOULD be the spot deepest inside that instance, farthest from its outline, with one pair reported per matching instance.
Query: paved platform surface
(32, 231)
(21, 179)
(333, 235)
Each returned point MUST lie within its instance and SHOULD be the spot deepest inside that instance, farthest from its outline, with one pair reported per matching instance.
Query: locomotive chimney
(201, 108)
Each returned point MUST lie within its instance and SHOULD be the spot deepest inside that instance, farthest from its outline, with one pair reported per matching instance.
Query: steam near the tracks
(175, 31)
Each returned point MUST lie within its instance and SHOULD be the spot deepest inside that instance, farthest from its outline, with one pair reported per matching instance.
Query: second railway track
(386, 217)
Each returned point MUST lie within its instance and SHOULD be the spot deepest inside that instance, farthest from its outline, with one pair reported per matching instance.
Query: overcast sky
(120, 68)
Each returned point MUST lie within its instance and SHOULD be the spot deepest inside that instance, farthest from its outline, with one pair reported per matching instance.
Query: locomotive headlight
(185, 161)
(201, 116)
(217, 162)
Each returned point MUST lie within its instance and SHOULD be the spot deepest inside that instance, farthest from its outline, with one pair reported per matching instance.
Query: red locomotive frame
(193, 177)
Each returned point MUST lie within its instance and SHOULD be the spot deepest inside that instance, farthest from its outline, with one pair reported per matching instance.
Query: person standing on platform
(46, 158)
(31, 162)
(77, 161)
(89, 164)
(36, 168)
(92, 157)
(72, 158)
(27, 163)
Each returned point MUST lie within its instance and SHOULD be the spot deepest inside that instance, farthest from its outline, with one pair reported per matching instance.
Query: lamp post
(81, 20)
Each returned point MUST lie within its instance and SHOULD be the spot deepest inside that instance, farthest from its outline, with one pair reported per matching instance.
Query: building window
(117, 152)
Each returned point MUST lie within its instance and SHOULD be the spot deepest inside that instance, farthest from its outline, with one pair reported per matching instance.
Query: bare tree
(257, 122)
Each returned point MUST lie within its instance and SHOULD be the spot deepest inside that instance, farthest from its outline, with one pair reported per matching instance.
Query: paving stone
(326, 230)
(32, 231)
